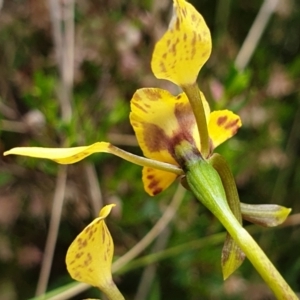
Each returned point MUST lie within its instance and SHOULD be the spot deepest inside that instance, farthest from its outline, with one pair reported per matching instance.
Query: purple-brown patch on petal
(154, 186)
(186, 121)
(155, 138)
(222, 120)
(157, 191)
(233, 126)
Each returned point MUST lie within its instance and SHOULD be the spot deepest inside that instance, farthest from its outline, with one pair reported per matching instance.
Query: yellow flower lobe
(180, 54)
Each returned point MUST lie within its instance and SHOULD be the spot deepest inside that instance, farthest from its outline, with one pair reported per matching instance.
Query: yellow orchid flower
(160, 120)
(89, 257)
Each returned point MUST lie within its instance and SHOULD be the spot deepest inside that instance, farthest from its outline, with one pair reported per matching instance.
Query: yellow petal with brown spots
(222, 125)
(160, 121)
(184, 48)
(156, 181)
(90, 255)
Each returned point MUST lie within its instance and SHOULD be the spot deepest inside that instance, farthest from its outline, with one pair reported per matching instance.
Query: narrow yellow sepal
(184, 48)
(89, 257)
(61, 155)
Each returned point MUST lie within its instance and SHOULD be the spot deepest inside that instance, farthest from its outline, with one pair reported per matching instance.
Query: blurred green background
(41, 71)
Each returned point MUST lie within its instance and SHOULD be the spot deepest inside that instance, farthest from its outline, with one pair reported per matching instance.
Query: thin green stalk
(206, 184)
(194, 96)
(112, 292)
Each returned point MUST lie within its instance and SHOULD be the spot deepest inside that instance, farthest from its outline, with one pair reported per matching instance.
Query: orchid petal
(184, 48)
(89, 257)
(222, 125)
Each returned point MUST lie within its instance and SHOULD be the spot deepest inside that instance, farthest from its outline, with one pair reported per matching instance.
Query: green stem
(194, 96)
(112, 292)
(206, 184)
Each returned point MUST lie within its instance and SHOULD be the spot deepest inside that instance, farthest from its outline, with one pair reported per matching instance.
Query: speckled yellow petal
(156, 181)
(160, 120)
(90, 255)
(184, 48)
(222, 125)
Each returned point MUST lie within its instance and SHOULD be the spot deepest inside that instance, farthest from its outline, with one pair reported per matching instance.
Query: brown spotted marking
(162, 67)
(88, 259)
(152, 94)
(157, 191)
(199, 36)
(233, 126)
(222, 120)
(204, 54)
(177, 25)
(154, 187)
(185, 37)
(78, 255)
(150, 177)
(193, 52)
(103, 235)
(84, 243)
(193, 43)
(140, 107)
(137, 97)
(77, 275)
(173, 66)
(164, 56)
(194, 17)
(173, 49)
(91, 233)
